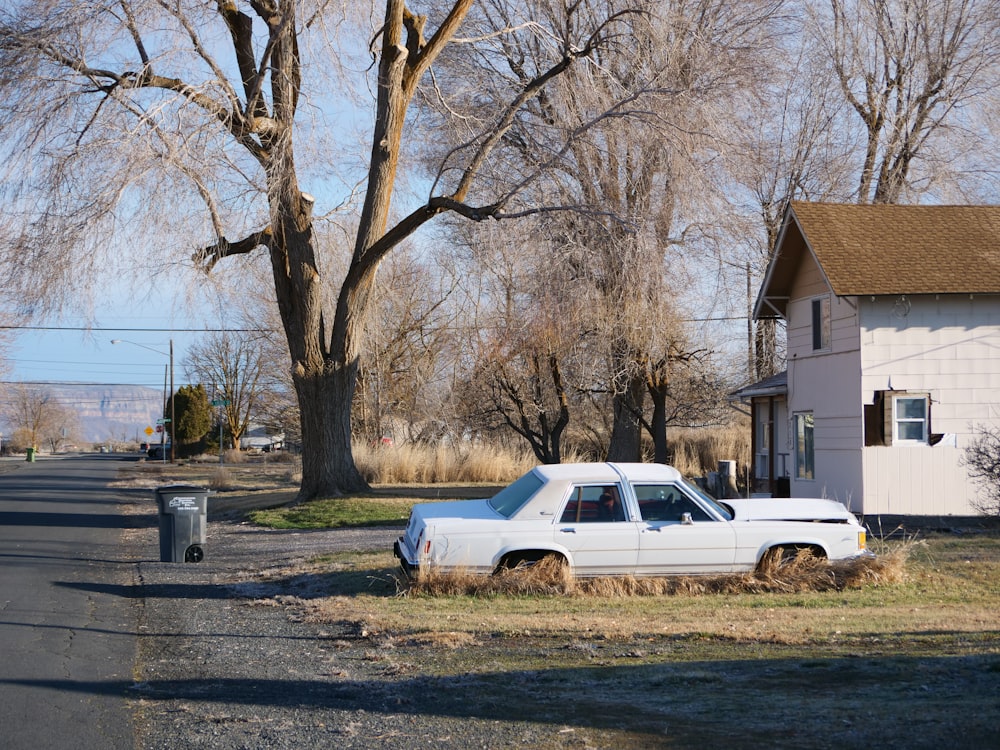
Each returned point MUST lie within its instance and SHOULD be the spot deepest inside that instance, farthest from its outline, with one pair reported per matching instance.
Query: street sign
(149, 431)
(220, 402)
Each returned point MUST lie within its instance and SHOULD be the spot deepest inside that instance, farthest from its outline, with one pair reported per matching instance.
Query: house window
(909, 419)
(762, 451)
(805, 465)
(899, 418)
(821, 323)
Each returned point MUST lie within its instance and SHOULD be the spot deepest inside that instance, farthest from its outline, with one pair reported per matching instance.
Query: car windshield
(723, 513)
(510, 499)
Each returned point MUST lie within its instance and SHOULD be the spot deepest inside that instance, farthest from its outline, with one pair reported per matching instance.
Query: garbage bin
(183, 512)
(30, 454)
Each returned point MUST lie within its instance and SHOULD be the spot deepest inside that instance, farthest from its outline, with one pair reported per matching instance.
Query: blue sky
(68, 350)
(90, 357)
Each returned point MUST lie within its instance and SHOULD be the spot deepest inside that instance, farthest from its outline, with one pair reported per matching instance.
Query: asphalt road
(67, 640)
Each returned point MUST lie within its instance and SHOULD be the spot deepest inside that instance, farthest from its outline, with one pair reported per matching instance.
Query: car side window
(594, 504)
(666, 502)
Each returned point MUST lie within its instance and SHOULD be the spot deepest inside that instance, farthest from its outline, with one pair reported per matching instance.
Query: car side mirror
(686, 519)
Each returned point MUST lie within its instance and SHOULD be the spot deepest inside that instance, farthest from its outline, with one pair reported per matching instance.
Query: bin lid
(187, 489)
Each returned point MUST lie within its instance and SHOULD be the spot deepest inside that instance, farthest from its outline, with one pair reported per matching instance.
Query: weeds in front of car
(550, 576)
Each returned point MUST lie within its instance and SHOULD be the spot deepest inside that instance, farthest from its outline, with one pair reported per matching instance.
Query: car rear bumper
(408, 566)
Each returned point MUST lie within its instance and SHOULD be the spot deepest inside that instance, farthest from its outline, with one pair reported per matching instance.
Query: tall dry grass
(421, 464)
(694, 452)
(697, 451)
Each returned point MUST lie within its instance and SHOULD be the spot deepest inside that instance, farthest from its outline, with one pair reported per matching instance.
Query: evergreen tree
(193, 414)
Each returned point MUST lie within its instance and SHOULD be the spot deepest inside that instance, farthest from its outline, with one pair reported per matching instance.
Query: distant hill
(109, 412)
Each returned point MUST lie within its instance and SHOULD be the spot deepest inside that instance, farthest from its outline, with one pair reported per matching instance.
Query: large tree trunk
(626, 432)
(325, 405)
(658, 423)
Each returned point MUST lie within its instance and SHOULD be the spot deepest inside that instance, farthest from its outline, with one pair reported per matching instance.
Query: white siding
(919, 481)
(828, 384)
(947, 346)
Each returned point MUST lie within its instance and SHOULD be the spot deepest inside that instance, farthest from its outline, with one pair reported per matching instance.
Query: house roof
(776, 385)
(887, 250)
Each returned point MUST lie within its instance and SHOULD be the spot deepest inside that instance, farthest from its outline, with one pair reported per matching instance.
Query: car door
(677, 536)
(598, 530)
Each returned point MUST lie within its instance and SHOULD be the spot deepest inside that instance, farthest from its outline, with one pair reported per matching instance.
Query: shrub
(982, 459)
(221, 479)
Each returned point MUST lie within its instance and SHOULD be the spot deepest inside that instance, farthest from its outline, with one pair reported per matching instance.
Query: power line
(90, 329)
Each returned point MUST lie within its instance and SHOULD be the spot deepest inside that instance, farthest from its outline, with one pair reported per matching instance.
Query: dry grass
(694, 452)
(907, 643)
(551, 577)
(418, 464)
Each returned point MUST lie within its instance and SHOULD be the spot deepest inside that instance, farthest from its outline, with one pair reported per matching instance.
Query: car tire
(526, 559)
(776, 557)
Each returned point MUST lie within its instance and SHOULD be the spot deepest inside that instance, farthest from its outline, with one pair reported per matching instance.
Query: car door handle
(568, 531)
(651, 528)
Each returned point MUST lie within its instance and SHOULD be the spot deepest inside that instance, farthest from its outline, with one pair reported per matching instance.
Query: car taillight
(426, 545)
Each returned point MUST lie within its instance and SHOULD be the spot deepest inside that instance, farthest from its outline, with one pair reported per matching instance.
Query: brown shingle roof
(893, 249)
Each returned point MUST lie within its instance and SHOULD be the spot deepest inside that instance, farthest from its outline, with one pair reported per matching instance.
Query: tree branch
(212, 254)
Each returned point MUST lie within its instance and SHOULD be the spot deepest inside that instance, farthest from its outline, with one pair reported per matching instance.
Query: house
(893, 355)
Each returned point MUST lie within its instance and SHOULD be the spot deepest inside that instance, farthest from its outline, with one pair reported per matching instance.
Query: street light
(173, 424)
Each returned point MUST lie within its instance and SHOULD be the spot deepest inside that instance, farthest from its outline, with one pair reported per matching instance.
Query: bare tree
(524, 343)
(140, 101)
(908, 69)
(630, 188)
(982, 459)
(644, 181)
(35, 415)
(400, 376)
(235, 369)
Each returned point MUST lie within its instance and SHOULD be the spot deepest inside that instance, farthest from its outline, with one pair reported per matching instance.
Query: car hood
(789, 509)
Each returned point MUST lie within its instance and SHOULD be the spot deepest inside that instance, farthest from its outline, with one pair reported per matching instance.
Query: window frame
(898, 420)
(822, 324)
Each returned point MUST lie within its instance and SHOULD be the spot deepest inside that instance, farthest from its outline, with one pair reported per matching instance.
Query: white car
(620, 519)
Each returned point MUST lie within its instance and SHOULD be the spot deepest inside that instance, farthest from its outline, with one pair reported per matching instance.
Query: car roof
(608, 472)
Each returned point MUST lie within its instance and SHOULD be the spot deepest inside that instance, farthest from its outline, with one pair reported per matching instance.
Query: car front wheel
(784, 554)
